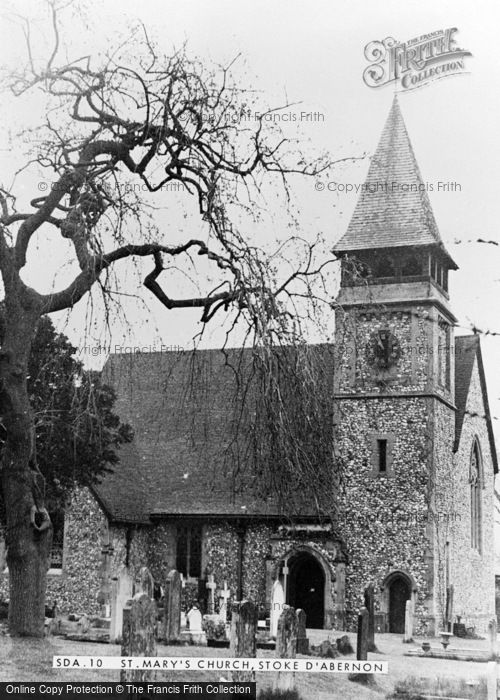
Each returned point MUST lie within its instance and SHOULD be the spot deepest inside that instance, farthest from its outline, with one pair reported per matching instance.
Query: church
(411, 427)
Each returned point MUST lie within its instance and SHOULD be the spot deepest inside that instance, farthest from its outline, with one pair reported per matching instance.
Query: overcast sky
(312, 53)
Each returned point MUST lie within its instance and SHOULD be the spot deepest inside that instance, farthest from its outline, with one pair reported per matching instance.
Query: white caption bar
(200, 663)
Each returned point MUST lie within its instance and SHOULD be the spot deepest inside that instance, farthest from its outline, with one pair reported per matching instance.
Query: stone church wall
(472, 572)
(384, 522)
(75, 588)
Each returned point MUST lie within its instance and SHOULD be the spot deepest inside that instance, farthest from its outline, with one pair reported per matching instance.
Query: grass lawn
(31, 660)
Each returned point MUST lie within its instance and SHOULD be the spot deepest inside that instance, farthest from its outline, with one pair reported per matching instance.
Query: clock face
(383, 350)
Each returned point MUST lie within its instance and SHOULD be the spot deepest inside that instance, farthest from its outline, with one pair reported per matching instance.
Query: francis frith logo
(416, 62)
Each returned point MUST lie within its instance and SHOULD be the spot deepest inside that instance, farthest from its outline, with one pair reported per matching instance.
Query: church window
(57, 549)
(444, 354)
(188, 557)
(381, 448)
(382, 455)
(475, 480)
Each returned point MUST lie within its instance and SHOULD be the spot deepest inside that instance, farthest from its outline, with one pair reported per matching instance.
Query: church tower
(394, 387)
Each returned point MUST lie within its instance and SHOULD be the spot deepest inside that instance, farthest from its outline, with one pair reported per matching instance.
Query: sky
(312, 54)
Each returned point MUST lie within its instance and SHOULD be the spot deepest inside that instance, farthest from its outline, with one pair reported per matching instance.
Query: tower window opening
(411, 267)
(385, 268)
(382, 455)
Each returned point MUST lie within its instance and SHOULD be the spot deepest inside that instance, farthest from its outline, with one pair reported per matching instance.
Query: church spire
(393, 209)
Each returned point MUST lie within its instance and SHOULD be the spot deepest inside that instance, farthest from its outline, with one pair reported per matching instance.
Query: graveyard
(137, 624)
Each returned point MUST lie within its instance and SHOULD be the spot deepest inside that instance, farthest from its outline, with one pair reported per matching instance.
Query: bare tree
(153, 121)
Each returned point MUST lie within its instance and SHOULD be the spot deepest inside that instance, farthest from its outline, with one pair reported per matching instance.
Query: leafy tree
(77, 433)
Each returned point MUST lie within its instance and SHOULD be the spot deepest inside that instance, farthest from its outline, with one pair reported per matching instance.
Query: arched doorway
(306, 588)
(399, 592)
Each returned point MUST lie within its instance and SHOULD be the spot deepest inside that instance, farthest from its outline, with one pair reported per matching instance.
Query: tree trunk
(22, 484)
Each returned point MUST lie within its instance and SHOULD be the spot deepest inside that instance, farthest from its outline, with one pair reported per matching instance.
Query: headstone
(195, 633)
(172, 610)
(194, 620)
(362, 642)
(138, 635)
(302, 640)
(369, 596)
(286, 645)
(408, 635)
(243, 642)
(211, 585)
(224, 595)
(492, 636)
(83, 624)
(449, 608)
(145, 583)
(121, 592)
(277, 603)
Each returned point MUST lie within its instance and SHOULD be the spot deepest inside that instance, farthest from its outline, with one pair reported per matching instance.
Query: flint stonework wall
(473, 572)
(384, 521)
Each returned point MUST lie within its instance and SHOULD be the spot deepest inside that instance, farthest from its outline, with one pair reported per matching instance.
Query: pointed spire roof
(393, 209)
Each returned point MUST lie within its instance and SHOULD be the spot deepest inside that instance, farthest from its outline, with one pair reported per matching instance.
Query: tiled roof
(467, 349)
(393, 209)
(182, 460)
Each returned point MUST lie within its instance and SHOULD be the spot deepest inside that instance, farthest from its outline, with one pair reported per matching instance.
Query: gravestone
(194, 621)
(138, 635)
(286, 646)
(408, 635)
(369, 596)
(302, 640)
(194, 634)
(172, 611)
(211, 586)
(224, 595)
(145, 583)
(362, 641)
(449, 608)
(121, 592)
(492, 637)
(183, 620)
(277, 603)
(243, 642)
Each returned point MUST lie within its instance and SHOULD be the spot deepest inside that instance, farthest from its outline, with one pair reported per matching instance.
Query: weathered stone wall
(384, 520)
(76, 586)
(472, 572)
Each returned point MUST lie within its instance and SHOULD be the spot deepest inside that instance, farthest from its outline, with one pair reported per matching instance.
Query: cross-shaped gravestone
(224, 595)
(211, 585)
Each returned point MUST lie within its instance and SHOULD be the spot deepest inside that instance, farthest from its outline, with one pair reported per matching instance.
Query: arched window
(475, 480)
